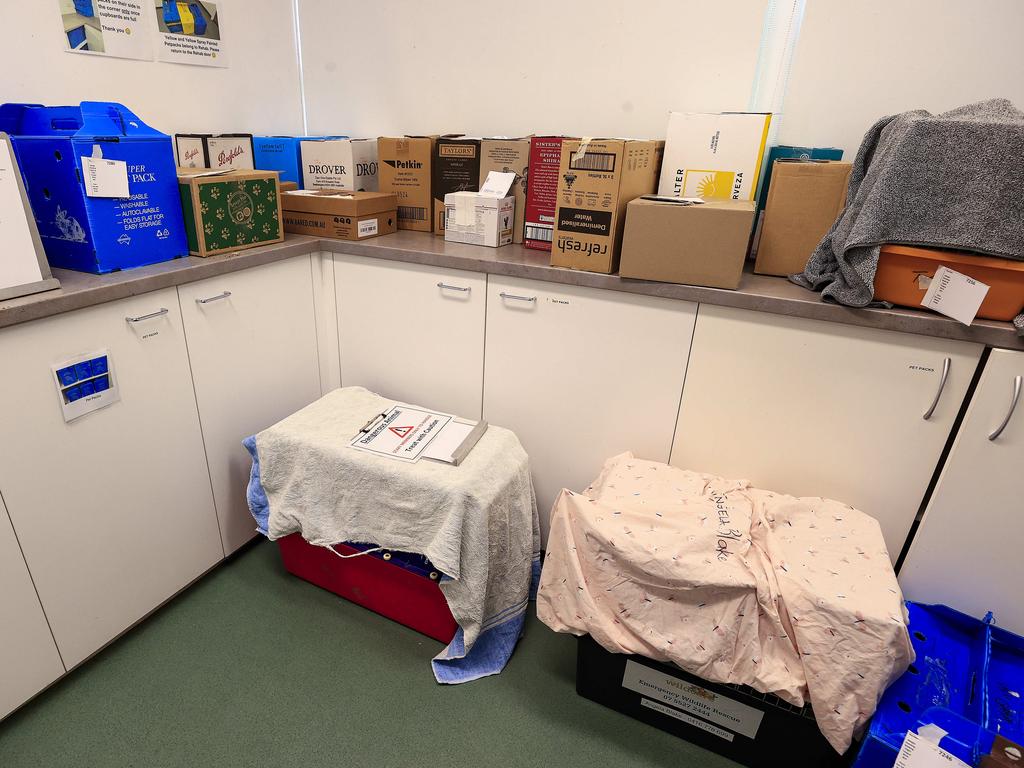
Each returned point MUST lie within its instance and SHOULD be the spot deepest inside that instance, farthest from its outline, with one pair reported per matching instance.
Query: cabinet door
(412, 333)
(582, 374)
(28, 657)
(252, 342)
(967, 551)
(113, 511)
(812, 408)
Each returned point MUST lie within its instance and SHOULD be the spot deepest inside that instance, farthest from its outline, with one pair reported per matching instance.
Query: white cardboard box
(340, 164)
(714, 156)
(234, 152)
(486, 217)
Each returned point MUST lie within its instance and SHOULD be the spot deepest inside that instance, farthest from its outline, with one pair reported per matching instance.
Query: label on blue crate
(918, 752)
(85, 383)
(691, 698)
(696, 722)
(105, 178)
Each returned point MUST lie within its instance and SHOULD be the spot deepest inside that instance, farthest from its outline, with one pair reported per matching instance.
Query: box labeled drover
(597, 178)
(542, 191)
(485, 217)
(714, 156)
(508, 156)
(404, 171)
(340, 164)
(282, 153)
(456, 168)
(339, 213)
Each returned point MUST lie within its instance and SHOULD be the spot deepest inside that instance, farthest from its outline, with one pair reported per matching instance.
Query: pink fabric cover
(795, 597)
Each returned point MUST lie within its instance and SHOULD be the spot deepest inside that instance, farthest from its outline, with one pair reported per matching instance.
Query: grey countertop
(756, 292)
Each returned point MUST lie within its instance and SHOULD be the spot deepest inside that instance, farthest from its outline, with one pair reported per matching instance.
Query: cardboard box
(282, 153)
(404, 171)
(340, 213)
(754, 729)
(229, 211)
(701, 244)
(509, 155)
(714, 156)
(222, 151)
(456, 168)
(597, 178)
(803, 202)
(485, 217)
(340, 164)
(542, 191)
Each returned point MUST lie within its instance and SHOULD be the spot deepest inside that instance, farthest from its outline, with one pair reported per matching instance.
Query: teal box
(281, 153)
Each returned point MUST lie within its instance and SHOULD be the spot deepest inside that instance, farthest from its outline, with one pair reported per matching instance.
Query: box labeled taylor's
(485, 217)
(404, 171)
(229, 210)
(219, 152)
(542, 191)
(597, 178)
(340, 213)
(282, 153)
(456, 169)
(675, 242)
(340, 164)
(508, 156)
(714, 156)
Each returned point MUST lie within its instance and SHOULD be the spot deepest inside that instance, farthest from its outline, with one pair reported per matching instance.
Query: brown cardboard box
(229, 210)
(340, 213)
(506, 155)
(703, 244)
(595, 183)
(456, 168)
(804, 199)
(404, 170)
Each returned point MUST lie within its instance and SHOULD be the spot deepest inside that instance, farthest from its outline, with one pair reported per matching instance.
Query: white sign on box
(955, 295)
(105, 178)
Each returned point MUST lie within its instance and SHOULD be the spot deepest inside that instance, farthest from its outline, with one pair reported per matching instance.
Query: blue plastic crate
(84, 8)
(968, 679)
(97, 234)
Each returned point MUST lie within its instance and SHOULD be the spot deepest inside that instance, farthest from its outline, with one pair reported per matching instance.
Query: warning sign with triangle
(401, 431)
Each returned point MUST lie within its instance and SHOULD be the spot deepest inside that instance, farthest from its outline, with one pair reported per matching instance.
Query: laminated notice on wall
(190, 32)
(118, 28)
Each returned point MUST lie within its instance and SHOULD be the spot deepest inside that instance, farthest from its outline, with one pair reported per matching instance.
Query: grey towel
(953, 180)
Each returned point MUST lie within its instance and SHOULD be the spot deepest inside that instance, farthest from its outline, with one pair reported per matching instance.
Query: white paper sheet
(105, 178)
(955, 295)
(19, 264)
(920, 753)
(402, 432)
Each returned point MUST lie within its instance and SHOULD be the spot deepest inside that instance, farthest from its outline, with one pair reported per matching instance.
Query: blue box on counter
(282, 153)
(968, 679)
(91, 233)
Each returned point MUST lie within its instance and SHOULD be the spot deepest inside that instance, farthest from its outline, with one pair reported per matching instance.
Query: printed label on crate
(691, 698)
(688, 719)
(918, 752)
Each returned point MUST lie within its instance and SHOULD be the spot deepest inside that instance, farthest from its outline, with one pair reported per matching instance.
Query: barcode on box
(533, 232)
(593, 161)
(411, 213)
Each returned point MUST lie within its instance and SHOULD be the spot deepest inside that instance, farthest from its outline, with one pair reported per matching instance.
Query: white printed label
(105, 178)
(955, 295)
(920, 753)
(699, 701)
(367, 227)
(697, 723)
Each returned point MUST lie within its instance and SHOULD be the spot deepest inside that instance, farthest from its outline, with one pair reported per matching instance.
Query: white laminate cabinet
(28, 658)
(967, 552)
(113, 511)
(812, 408)
(412, 333)
(252, 343)
(583, 374)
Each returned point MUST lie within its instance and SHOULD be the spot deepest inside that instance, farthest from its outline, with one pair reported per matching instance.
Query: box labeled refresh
(340, 213)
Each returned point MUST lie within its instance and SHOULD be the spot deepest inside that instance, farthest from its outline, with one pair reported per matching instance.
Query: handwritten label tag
(955, 295)
(105, 178)
(918, 752)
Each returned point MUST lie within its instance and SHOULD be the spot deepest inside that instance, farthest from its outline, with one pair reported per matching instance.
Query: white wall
(603, 67)
(858, 61)
(257, 93)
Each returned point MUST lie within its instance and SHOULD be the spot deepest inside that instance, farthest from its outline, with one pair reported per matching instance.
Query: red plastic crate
(385, 588)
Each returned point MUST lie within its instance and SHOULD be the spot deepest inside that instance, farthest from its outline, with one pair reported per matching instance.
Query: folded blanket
(949, 181)
(794, 597)
(477, 522)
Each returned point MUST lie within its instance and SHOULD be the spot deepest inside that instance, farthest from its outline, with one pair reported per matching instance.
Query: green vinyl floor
(253, 667)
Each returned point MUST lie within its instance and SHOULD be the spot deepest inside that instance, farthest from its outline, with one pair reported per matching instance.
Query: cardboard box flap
(189, 175)
(497, 184)
(343, 202)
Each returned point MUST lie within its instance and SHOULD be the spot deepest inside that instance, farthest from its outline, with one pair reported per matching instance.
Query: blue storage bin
(172, 12)
(98, 366)
(67, 376)
(968, 679)
(84, 8)
(102, 384)
(83, 370)
(97, 234)
(73, 393)
(87, 388)
(76, 39)
(282, 153)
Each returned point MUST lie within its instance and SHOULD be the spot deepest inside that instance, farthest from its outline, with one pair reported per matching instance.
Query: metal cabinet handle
(517, 298)
(150, 316)
(938, 393)
(454, 287)
(1013, 406)
(218, 297)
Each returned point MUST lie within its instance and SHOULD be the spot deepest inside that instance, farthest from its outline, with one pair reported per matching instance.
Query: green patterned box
(230, 211)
